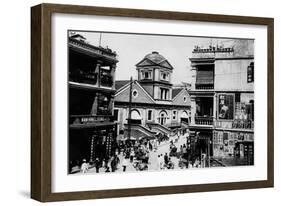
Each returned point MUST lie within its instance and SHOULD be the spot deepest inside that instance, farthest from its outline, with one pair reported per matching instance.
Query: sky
(131, 49)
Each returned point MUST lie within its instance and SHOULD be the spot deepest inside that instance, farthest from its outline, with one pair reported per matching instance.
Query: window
(250, 73)
(184, 98)
(164, 94)
(205, 77)
(135, 93)
(146, 75)
(174, 115)
(164, 76)
(149, 115)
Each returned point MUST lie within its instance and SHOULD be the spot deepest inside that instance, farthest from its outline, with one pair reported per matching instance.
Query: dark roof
(77, 35)
(120, 83)
(175, 92)
(155, 57)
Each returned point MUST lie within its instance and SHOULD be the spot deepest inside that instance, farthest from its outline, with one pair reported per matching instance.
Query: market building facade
(222, 102)
(91, 89)
(156, 106)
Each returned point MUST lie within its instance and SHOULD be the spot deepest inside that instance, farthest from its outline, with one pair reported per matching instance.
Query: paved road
(163, 148)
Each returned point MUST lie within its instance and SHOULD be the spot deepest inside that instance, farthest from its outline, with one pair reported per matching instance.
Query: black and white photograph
(154, 102)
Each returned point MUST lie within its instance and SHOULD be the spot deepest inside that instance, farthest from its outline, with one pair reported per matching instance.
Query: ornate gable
(145, 62)
(182, 98)
(139, 95)
(166, 64)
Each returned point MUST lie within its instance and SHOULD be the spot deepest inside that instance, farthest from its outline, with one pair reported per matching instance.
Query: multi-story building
(222, 102)
(156, 107)
(92, 131)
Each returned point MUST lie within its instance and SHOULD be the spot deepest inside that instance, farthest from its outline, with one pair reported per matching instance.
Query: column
(110, 104)
(214, 109)
(95, 105)
(193, 109)
(97, 70)
(113, 69)
(193, 77)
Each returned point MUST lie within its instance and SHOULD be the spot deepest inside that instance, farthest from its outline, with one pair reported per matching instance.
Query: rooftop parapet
(212, 52)
(81, 44)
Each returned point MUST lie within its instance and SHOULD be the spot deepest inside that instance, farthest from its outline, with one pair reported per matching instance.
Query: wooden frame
(41, 101)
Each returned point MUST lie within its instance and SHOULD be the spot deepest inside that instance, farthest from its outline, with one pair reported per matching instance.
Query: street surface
(153, 163)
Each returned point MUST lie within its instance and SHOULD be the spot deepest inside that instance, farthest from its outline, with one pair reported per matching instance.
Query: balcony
(243, 124)
(202, 120)
(106, 80)
(84, 77)
(98, 52)
(104, 111)
(235, 124)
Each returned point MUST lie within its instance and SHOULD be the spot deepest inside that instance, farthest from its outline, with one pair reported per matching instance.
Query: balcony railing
(84, 77)
(88, 119)
(243, 124)
(202, 120)
(235, 124)
(204, 86)
(104, 111)
(81, 76)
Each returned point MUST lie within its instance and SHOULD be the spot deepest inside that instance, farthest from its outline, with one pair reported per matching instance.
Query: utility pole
(130, 110)
(100, 40)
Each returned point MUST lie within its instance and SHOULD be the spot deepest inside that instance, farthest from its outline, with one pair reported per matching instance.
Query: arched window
(136, 115)
(163, 116)
(185, 117)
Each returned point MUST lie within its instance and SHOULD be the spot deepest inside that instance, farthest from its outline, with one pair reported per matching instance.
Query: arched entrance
(135, 117)
(185, 117)
(163, 116)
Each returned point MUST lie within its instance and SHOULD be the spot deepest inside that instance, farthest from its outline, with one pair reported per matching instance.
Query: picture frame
(41, 101)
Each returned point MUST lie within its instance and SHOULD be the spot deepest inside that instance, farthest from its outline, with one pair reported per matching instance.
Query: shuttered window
(205, 76)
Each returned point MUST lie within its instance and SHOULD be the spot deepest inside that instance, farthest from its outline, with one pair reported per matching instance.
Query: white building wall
(232, 75)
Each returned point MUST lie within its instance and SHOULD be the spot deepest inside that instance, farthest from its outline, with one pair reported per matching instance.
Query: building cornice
(155, 106)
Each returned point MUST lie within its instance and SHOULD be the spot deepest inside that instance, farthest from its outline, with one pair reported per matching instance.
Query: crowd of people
(137, 154)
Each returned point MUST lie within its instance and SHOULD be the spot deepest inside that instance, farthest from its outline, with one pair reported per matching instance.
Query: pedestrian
(132, 155)
(166, 159)
(150, 146)
(184, 149)
(161, 161)
(124, 164)
(84, 166)
(97, 165)
(158, 162)
(181, 151)
(113, 164)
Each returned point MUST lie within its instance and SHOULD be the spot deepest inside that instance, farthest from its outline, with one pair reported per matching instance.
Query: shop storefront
(236, 145)
(91, 142)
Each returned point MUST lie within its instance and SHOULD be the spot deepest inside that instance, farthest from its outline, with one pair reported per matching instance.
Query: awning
(205, 76)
